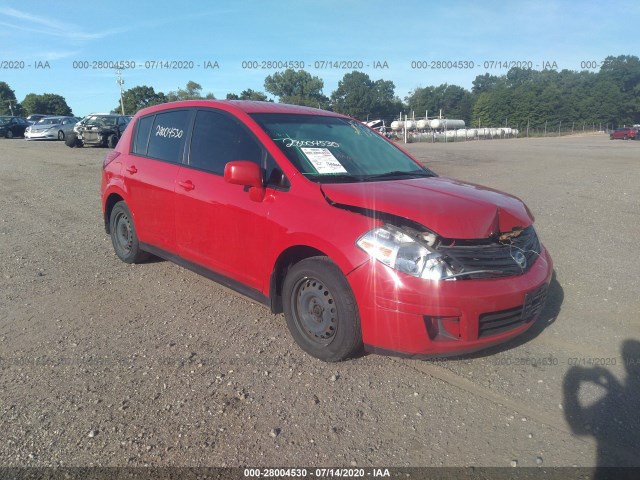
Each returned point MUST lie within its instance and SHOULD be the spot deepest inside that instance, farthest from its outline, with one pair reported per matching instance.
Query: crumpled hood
(448, 207)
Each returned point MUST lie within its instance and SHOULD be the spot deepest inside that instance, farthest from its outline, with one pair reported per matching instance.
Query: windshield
(335, 149)
(100, 121)
(49, 121)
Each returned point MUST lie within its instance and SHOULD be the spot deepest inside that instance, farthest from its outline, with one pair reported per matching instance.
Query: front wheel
(9, 134)
(112, 141)
(73, 141)
(124, 236)
(321, 311)
(61, 135)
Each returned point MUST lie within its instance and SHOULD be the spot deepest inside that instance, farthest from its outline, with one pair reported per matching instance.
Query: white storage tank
(397, 125)
(422, 124)
(471, 133)
(461, 133)
(449, 124)
(410, 125)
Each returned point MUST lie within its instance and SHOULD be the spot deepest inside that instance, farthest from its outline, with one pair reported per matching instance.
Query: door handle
(187, 185)
(132, 169)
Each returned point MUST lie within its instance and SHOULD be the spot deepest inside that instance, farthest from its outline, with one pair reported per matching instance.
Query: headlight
(394, 248)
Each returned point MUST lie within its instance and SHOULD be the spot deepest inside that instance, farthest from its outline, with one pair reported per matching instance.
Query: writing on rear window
(168, 132)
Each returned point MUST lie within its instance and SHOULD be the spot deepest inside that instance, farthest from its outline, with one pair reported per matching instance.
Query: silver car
(51, 128)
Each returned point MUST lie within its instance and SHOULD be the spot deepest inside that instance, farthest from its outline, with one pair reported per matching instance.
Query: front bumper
(53, 135)
(407, 315)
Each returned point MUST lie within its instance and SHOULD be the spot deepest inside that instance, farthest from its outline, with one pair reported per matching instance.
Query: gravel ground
(108, 364)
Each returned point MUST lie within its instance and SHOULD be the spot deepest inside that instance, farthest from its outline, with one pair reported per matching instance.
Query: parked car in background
(624, 133)
(51, 128)
(102, 130)
(35, 118)
(11, 127)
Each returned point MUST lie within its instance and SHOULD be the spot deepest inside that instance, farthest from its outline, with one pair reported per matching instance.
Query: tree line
(518, 98)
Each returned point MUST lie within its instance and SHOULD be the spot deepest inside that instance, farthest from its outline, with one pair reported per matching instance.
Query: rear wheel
(625, 137)
(9, 134)
(321, 311)
(112, 141)
(124, 236)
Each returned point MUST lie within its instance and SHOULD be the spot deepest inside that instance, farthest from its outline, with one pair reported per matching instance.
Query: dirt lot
(104, 363)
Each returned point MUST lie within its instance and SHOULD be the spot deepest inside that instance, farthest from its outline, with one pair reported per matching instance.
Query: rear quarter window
(141, 136)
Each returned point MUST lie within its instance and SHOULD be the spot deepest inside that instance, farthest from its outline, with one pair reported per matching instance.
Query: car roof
(246, 106)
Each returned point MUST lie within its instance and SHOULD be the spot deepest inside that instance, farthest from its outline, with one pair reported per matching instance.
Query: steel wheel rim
(315, 311)
(123, 233)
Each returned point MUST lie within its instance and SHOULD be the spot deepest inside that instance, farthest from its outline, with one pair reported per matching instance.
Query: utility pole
(120, 81)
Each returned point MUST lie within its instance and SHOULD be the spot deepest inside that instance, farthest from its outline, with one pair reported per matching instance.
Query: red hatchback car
(315, 215)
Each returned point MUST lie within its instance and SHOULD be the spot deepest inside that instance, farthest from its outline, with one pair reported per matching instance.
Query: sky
(70, 48)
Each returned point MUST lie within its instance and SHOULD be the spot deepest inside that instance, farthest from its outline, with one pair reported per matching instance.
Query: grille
(494, 259)
(498, 322)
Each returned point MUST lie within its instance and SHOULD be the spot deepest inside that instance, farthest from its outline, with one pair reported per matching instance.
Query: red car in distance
(624, 133)
(316, 215)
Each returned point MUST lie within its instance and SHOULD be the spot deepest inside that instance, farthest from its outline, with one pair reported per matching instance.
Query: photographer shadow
(613, 420)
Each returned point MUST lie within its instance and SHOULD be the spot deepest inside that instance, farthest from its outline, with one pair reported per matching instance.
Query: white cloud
(46, 26)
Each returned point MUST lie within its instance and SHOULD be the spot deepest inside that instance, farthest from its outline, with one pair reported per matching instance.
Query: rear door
(150, 173)
(217, 224)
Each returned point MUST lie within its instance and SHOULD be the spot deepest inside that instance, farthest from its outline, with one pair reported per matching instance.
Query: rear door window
(167, 135)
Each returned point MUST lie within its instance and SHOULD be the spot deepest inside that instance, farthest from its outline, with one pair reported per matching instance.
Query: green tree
(454, 101)
(484, 83)
(482, 110)
(249, 94)
(624, 72)
(360, 97)
(192, 91)
(296, 87)
(139, 97)
(47, 103)
(8, 102)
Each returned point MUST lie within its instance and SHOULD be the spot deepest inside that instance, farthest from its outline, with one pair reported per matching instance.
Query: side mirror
(247, 174)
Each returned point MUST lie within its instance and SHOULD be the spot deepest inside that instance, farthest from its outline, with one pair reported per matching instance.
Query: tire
(9, 134)
(625, 137)
(124, 236)
(112, 141)
(72, 141)
(321, 311)
(61, 135)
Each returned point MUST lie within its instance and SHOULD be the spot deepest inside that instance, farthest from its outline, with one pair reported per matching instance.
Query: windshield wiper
(397, 173)
(333, 178)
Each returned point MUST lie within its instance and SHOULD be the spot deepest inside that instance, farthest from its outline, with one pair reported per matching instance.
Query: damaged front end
(423, 254)
(94, 134)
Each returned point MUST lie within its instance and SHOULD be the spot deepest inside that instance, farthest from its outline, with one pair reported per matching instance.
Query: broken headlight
(393, 247)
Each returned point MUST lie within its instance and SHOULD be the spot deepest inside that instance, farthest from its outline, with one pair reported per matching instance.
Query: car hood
(447, 207)
(44, 127)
